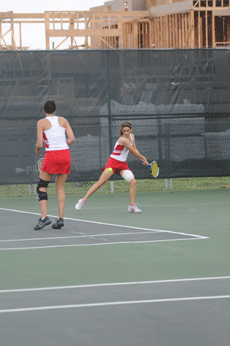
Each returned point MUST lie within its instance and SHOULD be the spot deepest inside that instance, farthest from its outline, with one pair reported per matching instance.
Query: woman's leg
(60, 181)
(104, 177)
(129, 177)
(132, 191)
(43, 204)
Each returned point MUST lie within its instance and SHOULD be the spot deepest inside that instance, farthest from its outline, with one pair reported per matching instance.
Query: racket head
(154, 169)
(39, 164)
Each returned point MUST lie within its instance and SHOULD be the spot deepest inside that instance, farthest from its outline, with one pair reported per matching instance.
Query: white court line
(74, 237)
(96, 244)
(132, 283)
(132, 302)
(110, 224)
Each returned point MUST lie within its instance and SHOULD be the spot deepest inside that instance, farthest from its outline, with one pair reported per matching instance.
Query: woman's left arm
(132, 148)
(144, 160)
(134, 143)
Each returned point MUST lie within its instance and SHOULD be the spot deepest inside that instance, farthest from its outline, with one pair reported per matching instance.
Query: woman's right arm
(39, 143)
(70, 134)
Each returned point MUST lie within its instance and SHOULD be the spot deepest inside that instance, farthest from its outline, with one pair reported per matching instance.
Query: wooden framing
(104, 26)
(7, 35)
(173, 31)
(136, 34)
(205, 24)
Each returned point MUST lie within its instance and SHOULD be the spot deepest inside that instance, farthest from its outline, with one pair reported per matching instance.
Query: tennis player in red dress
(117, 164)
(57, 160)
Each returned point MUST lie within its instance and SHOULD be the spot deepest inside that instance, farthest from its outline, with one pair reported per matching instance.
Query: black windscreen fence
(177, 101)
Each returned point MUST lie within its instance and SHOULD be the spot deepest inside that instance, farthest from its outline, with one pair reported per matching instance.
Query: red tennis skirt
(116, 165)
(57, 162)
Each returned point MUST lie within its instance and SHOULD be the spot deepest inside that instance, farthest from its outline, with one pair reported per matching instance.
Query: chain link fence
(177, 101)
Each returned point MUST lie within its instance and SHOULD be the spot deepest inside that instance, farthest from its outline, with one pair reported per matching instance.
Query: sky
(33, 35)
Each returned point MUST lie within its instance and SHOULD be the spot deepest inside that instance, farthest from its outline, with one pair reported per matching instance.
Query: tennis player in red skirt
(117, 164)
(57, 160)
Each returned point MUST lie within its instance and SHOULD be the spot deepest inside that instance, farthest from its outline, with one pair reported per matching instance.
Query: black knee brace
(42, 195)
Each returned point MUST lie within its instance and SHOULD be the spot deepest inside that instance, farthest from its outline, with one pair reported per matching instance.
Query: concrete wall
(97, 8)
(134, 5)
(178, 7)
(139, 5)
(117, 5)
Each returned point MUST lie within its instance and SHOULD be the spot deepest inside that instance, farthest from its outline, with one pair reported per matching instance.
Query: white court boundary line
(132, 302)
(194, 236)
(111, 284)
(111, 224)
(73, 237)
(116, 303)
(96, 244)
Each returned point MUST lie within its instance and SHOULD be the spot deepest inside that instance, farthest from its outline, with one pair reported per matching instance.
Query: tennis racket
(39, 164)
(154, 169)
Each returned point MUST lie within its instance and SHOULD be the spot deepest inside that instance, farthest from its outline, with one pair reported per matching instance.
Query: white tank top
(120, 153)
(55, 138)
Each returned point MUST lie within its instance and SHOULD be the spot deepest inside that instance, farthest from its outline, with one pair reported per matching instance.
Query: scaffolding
(100, 29)
(166, 24)
(205, 25)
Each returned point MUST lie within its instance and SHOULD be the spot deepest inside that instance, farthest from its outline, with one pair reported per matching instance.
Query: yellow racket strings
(155, 169)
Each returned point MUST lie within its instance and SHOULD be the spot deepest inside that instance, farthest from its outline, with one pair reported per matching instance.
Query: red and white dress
(118, 158)
(57, 158)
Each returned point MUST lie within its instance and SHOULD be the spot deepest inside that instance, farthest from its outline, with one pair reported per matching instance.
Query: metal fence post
(168, 180)
(109, 103)
(109, 110)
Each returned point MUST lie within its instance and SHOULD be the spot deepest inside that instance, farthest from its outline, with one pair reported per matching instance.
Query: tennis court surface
(114, 278)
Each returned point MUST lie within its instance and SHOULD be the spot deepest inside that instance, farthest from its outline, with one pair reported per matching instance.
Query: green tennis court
(113, 278)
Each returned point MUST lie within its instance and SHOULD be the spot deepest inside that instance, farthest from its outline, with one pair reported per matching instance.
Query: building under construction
(127, 24)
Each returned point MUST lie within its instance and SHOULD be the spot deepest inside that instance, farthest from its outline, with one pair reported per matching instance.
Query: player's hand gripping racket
(39, 164)
(154, 169)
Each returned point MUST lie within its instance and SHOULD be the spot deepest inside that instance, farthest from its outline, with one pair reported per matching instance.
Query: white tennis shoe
(79, 204)
(134, 209)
